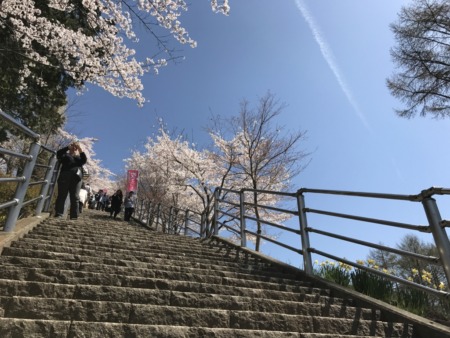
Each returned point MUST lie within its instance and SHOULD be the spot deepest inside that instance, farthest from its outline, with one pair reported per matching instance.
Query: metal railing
(233, 213)
(243, 213)
(46, 181)
(171, 219)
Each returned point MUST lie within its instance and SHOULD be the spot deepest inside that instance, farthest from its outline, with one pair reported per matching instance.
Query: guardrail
(171, 219)
(23, 179)
(232, 212)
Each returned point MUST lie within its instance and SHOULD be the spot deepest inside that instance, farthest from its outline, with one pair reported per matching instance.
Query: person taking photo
(71, 158)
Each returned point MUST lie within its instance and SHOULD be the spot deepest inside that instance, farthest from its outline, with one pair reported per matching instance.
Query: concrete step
(119, 312)
(107, 229)
(20, 266)
(95, 277)
(127, 259)
(314, 306)
(185, 252)
(68, 253)
(180, 286)
(123, 236)
(64, 329)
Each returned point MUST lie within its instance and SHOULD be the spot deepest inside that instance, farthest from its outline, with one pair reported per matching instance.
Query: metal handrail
(27, 131)
(192, 222)
(236, 213)
(441, 239)
(24, 181)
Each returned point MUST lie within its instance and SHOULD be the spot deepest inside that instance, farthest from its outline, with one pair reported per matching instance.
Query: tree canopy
(421, 54)
(248, 150)
(89, 41)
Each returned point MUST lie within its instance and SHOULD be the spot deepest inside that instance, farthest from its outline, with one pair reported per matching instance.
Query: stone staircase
(98, 277)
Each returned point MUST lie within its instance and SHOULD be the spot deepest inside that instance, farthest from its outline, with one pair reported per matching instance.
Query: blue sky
(328, 61)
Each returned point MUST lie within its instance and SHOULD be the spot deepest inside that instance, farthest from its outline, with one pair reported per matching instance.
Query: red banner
(132, 180)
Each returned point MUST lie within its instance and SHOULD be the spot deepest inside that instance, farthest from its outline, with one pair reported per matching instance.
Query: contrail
(329, 58)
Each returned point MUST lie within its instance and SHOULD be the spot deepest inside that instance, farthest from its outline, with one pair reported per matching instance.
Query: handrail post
(169, 223)
(152, 214)
(22, 188)
(439, 233)
(141, 210)
(186, 221)
(216, 212)
(202, 225)
(158, 215)
(307, 261)
(148, 212)
(52, 186)
(242, 217)
(45, 187)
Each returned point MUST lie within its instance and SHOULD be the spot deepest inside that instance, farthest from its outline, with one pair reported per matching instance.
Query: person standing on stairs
(72, 158)
(116, 203)
(129, 206)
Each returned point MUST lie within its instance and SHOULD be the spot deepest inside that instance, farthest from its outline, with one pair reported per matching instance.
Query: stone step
(139, 235)
(63, 329)
(98, 238)
(94, 311)
(98, 277)
(77, 276)
(202, 248)
(14, 264)
(160, 251)
(302, 294)
(80, 227)
(112, 258)
(255, 301)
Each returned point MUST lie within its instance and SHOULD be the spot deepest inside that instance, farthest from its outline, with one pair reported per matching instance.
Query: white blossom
(115, 69)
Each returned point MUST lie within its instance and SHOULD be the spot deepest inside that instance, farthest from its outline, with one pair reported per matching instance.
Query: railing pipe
(202, 225)
(158, 215)
(421, 228)
(46, 186)
(307, 260)
(439, 233)
(141, 210)
(149, 208)
(24, 129)
(186, 222)
(22, 188)
(52, 186)
(363, 194)
(8, 204)
(12, 179)
(216, 211)
(170, 223)
(242, 218)
(15, 154)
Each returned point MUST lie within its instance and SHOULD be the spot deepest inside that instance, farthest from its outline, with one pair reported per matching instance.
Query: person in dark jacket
(116, 203)
(129, 206)
(71, 158)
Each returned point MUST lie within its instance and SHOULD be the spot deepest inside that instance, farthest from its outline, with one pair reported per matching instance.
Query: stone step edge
(178, 252)
(194, 271)
(322, 301)
(227, 265)
(223, 311)
(165, 268)
(170, 331)
(323, 298)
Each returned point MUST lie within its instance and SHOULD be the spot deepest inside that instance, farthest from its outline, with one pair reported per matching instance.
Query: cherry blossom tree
(173, 172)
(263, 155)
(89, 41)
(252, 153)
